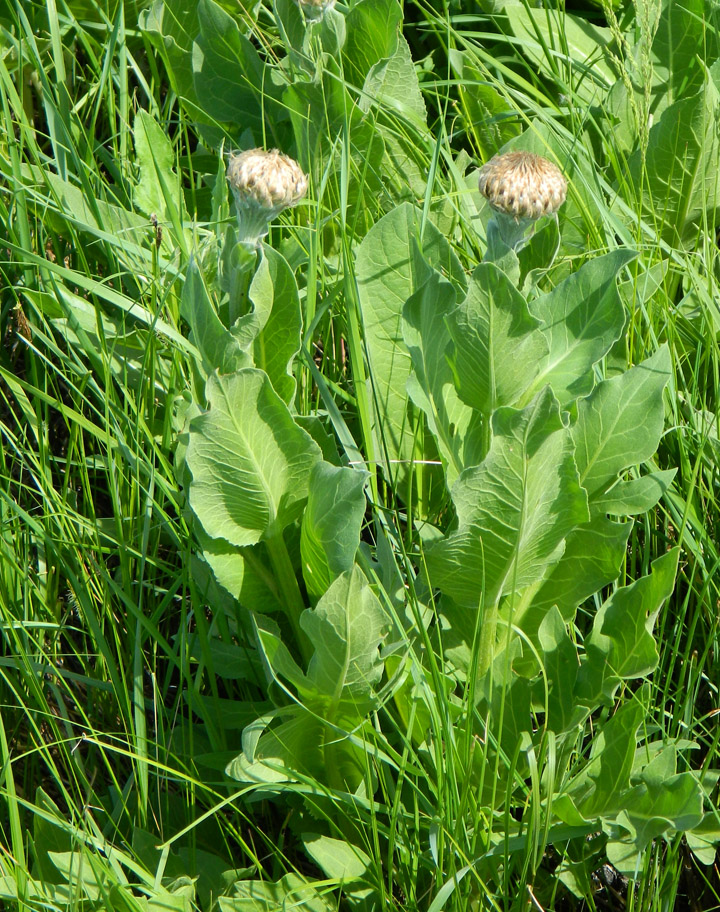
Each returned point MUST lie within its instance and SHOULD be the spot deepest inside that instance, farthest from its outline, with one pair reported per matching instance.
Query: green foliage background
(376, 568)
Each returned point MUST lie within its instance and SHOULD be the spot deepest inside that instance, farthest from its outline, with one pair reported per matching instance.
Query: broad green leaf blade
(581, 319)
(372, 28)
(346, 628)
(275, 291)
(228, 74)
(559, 657)
(249, 461)
(389, 269)
(219, 349)
(158, 189)
(393, 83)
(331, 524)
(243, 572)
(338, 859)
(552, 38)
(290, 893)
(620, 424)
(637, 496)
(680, 167)
(664, 800)
(498, 347)
(514, 511)
(457, 430)
(621, 645)
(600, 786)
(592, 559)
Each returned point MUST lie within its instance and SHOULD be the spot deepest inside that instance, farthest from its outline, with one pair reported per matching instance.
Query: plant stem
(289, 590)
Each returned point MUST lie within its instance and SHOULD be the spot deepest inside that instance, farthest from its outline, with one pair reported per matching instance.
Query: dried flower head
(315, 9)
(263, 184)
(523, 185)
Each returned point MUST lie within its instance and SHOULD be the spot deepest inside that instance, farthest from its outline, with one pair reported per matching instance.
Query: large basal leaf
(514, 511)
(229, 77)
(243, 572)
(249, 461)
(559, 659)
(431, 386)
(498, 349)
(291, 892)
(346, 628)
(390, 268)
(172, 26)
(372, 28)
(686, 41)
(331, 524)
(620, 645)
(158, 189)
(600, 786)
(678, 177)
(581, 319)
(663, 800)
(620, 423)
(554, 39)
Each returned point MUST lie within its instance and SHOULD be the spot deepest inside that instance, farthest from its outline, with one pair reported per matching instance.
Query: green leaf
(498, 349)
(331, 524)
(559, 659)
(664, 800)
(514, 510)
(678, 174)
(219, 349)
(457, 430)
(372, 28)
(598, 789)
(627, 498)
(393, 83)
(291, 892)
(592, 559)
(487, 111)
(338, 860)
(390, 268)
(346, 628)
(274, 291)
(581, 319)
(621, 645)
(158, 189)
(249, 461)
(228, 74)
(620, 423)
(552, 39)
(243, 573)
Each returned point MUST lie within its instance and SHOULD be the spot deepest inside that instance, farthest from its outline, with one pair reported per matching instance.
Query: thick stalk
(289, 590)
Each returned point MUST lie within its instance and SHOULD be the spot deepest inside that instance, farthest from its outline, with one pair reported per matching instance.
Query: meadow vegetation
(361, 554)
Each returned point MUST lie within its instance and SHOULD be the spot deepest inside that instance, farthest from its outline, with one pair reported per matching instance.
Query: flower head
(523, 185)
(263, 184)
(315, 9)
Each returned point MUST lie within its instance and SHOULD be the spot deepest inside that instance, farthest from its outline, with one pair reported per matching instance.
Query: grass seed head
(263, 184)
(523, 185)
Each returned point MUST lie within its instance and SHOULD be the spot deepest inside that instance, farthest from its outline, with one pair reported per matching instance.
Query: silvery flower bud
(263, 184)
(315, 9)
(523, 185)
